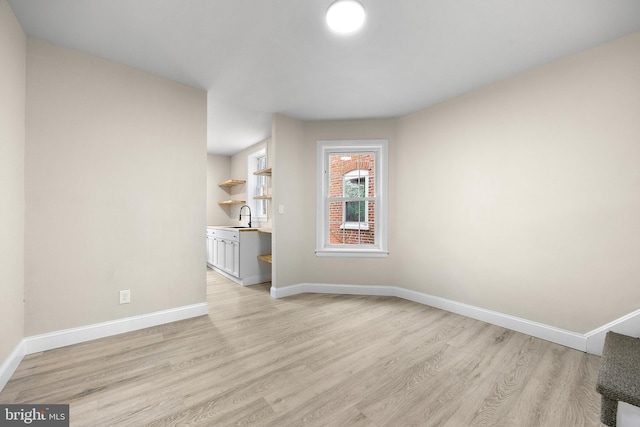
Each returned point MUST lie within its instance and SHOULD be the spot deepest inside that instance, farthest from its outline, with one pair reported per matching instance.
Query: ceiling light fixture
(345, 16)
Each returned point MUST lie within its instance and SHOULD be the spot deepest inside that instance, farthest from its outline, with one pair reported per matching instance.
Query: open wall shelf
(232, 182)
(265, 258)
(232, 202)
(266, 172)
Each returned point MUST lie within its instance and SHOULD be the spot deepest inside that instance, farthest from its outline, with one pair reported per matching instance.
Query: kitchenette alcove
(235, 252)
(239, 215)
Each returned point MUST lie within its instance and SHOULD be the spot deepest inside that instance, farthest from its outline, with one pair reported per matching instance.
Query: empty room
(332, 213)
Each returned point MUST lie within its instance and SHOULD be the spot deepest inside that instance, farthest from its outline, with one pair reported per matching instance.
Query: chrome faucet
(245, 206)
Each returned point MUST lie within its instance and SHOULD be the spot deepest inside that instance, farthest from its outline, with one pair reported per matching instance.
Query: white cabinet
(234, 254)
(223, 250)
(211, 241)
(231, 257)
(218, 253)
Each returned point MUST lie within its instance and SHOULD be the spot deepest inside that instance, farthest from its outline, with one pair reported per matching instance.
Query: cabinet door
(210, 241)
(236, 259)
(231, 257)
(218, 253)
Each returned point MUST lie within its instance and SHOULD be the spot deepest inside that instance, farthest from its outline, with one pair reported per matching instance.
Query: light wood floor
(314, 360)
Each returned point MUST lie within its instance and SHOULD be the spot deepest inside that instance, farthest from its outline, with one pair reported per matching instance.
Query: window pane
(351, 176)
(337, 168)
(355, 187)
(341, 234)
(349, 200)
(261, 186)
(353, 229)
(335, 222)
(355, 211)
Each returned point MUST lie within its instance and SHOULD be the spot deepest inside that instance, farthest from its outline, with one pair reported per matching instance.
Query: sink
(232, 227)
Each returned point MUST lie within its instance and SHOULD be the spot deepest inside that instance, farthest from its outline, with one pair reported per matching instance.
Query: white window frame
(252, 182)
(326, 148)
(355, 225)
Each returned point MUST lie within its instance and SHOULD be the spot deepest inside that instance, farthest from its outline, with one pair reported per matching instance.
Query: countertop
(243, 229)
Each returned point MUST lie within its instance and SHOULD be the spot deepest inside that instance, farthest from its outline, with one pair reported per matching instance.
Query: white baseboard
(51, 340)
(592, 342)
(535, 329)
(319, 288)
(627, 325)
(628, 415)
(255, 280)
(10, 364)
(539, 330)
(245, 281)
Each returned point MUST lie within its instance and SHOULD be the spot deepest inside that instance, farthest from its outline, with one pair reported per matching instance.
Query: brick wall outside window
(338, 168)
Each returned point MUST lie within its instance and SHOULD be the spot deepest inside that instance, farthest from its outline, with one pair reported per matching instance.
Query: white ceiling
(257, 57)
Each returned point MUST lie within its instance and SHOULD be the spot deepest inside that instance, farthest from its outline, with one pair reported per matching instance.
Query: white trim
(381, 185)
(539, 330)
(51, 340)
(323, 288)
(628, 415)
(245, 281)
(352, 253)
(356, 225)
(626, 325)
(254, 280)
(251, 184)
(11, 363)
(535, 329)
(57, 339)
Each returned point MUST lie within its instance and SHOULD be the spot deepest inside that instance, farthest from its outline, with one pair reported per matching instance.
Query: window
(355, 212)
(261, 187)
(352, 198)
(257, 185)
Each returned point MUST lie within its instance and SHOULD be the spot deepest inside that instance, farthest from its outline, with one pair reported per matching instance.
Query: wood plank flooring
(323, 360)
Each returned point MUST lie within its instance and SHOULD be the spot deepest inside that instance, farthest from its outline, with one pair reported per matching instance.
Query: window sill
(352, 253)
(355, 226)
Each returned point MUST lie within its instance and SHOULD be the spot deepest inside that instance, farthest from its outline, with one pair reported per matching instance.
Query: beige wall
(521, 197)
(290, 190)
(12, 141)
(529, 194)
(115, 190)
(239, 167)
(218, 170)
(295, 190)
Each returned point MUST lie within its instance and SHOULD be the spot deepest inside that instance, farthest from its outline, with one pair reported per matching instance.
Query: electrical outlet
(125, 296)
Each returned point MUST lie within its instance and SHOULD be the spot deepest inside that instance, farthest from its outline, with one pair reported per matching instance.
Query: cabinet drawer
(221, 233)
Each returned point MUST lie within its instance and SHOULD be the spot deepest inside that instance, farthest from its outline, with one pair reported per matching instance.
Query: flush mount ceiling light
(345, 16)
